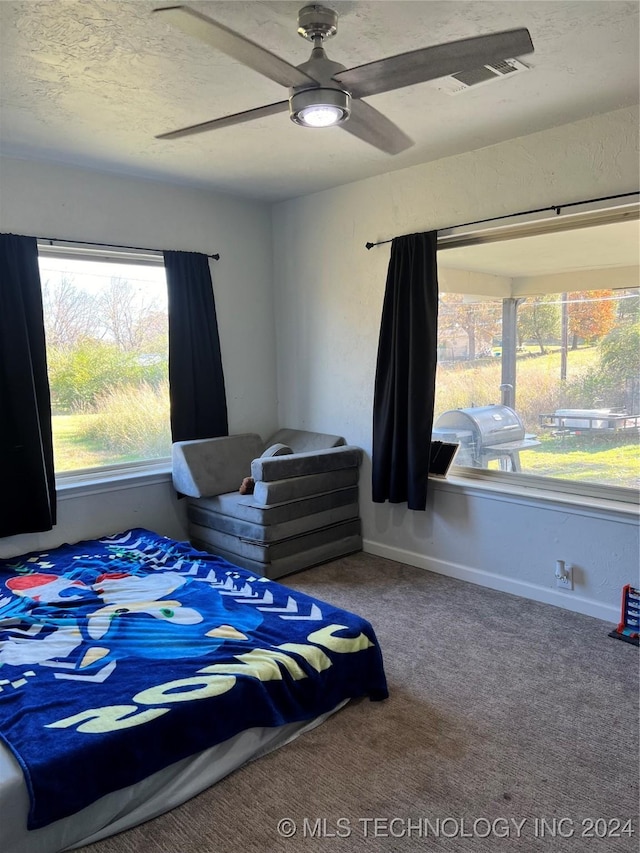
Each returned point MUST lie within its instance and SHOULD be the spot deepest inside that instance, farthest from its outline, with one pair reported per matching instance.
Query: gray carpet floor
(511, 725)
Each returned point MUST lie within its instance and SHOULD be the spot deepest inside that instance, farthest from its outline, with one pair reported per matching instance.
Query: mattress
(136, 670)
(123, 809)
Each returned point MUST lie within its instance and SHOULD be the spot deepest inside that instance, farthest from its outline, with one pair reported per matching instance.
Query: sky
(93, 276)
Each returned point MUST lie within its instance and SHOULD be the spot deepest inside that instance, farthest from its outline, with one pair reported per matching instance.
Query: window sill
(82, 483)
(500, 489)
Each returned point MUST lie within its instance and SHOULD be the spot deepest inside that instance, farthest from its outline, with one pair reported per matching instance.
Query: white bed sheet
(129, 807)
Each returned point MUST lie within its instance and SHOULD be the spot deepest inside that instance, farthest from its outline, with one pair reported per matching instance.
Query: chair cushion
(224, 511)
(342, 542)
(212, 466)
(301, 440)
(300, 464)
(295, 488)
(268, 552)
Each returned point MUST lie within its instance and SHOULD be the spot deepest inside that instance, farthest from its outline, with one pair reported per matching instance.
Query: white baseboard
(558, 598)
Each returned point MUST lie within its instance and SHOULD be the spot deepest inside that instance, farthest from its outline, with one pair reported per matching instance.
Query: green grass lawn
(595, 459)
(71, 451)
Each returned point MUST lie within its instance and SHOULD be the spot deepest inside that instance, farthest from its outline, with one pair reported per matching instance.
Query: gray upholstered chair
(304, 508)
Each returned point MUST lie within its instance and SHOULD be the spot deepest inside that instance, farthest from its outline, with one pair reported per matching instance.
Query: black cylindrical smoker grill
(485, 433)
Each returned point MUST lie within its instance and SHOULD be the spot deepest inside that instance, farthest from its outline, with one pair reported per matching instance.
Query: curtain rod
(556, 208)
(53, 240)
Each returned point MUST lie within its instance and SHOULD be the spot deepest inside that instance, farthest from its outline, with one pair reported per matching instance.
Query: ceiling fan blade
(233, 44)
(227, 121)
(371, 126)
(429, 63)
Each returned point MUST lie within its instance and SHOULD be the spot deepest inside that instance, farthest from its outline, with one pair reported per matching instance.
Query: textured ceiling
(91, 82)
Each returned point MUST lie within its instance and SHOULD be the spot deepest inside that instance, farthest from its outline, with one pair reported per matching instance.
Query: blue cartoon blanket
(122, 655)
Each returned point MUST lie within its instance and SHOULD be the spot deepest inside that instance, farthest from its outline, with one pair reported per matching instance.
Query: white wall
(95, 513)
(48, 200)
(328, 298)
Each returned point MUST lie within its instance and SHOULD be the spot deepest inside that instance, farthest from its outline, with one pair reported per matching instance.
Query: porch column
(509, 345)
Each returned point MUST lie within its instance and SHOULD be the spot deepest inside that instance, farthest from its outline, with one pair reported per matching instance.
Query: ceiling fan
(323, 92)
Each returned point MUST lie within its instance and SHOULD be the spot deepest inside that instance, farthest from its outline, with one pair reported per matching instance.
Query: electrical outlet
(565, 580)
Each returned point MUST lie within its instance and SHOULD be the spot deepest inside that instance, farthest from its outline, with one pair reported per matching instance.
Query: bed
(135, 671)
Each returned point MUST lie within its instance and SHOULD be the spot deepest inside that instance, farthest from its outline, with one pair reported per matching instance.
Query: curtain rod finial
(370, 245)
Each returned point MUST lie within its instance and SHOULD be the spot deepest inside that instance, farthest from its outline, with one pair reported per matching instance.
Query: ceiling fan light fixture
(319, 107)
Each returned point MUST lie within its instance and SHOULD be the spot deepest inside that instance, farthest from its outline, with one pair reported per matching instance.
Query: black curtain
(196, 380)
(26, 444)
(405, 373)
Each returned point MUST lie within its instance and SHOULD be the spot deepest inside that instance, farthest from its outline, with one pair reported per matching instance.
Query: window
(539, 351)
(106, 328)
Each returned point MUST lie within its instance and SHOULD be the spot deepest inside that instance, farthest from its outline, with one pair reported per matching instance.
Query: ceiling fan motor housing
(317, 22)
(328, 96)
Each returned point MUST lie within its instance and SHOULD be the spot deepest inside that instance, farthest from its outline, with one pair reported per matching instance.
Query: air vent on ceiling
(457, 83)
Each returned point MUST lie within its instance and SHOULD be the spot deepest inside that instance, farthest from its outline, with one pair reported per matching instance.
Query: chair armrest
(301, 464)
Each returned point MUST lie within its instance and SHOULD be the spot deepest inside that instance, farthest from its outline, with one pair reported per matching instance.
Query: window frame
(141, 471)
(607, 211)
